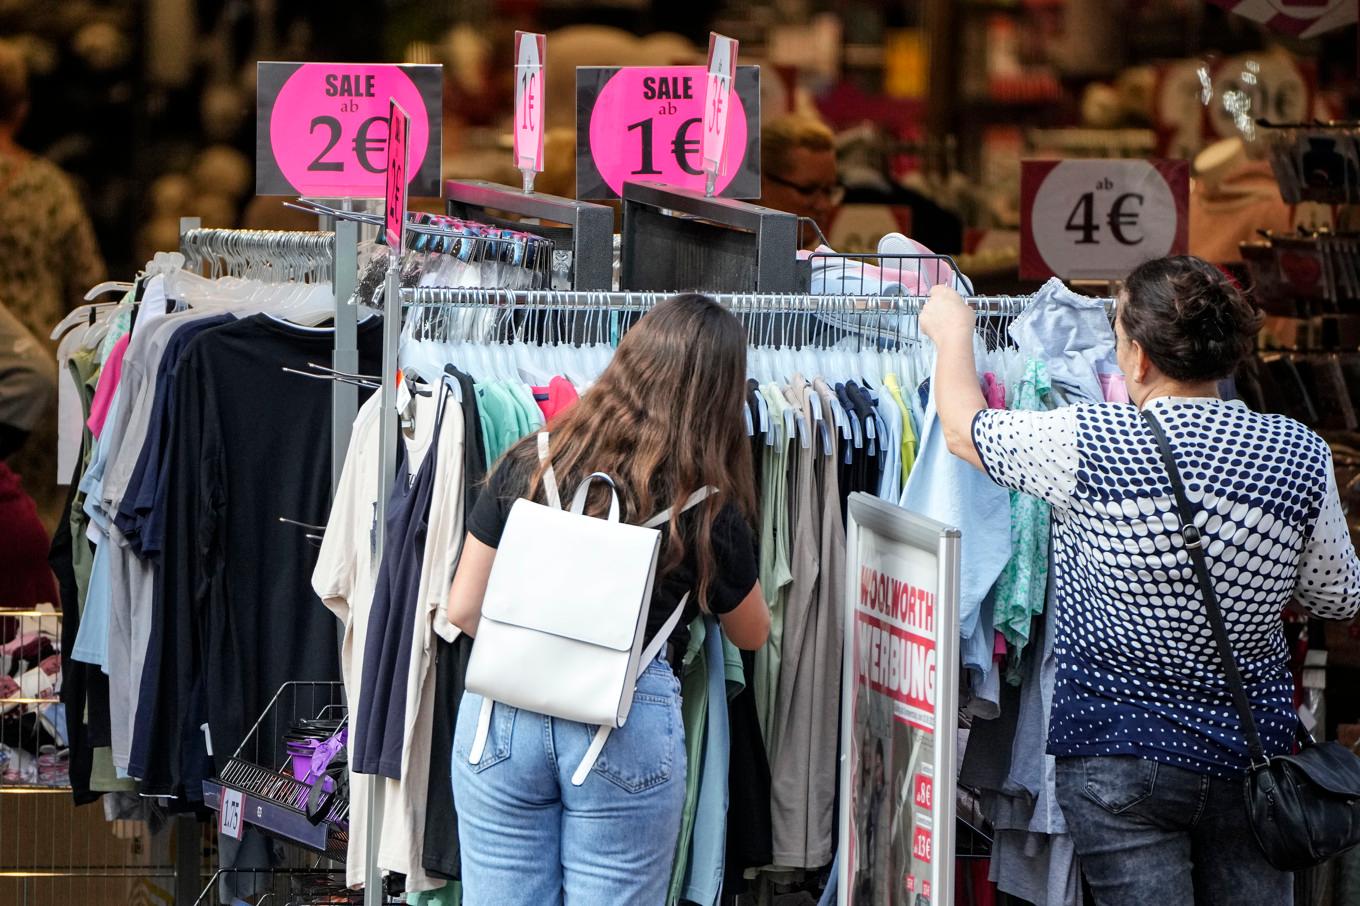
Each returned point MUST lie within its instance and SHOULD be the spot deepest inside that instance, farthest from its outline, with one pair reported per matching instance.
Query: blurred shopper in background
(798, 171)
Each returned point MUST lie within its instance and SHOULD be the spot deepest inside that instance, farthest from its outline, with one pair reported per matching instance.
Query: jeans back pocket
(1118, 782)
(498, 739)
(640, 754)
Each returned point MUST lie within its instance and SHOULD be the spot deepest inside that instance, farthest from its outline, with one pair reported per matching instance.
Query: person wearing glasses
(798, 171)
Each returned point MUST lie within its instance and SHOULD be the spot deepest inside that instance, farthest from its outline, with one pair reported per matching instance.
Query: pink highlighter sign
(647, 124)
(322, 128)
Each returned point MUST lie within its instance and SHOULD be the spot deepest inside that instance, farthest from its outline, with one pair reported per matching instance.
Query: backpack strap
(648, 655)
(549, 477)
(692, 501)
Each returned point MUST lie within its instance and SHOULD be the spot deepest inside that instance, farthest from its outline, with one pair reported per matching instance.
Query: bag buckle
(1191, 536)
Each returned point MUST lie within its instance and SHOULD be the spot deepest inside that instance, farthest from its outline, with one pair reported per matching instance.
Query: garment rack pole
(345, 358)
(758, 303)
(387, 421)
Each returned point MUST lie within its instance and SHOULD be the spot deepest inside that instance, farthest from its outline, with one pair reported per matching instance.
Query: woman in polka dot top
(1150, 751)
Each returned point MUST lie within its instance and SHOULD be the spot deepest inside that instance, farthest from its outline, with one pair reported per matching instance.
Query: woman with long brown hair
(664, 420)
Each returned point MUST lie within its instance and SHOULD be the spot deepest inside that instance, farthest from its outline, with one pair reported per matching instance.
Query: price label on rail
(230, 813)
(646, 124)
(1099, 219)
(321, 128)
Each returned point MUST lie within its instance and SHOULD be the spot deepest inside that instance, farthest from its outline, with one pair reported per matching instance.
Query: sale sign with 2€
(646, 124)
(321, 128)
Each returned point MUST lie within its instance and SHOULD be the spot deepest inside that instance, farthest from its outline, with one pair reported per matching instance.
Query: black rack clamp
(674, 237)
(588, 229)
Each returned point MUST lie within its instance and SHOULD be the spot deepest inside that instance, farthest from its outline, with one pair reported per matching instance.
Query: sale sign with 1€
(646, 124)
(321, 128)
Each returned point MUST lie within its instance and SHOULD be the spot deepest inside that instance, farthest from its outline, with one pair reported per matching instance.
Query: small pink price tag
(398, 131)
(530, 54)
(722, 68)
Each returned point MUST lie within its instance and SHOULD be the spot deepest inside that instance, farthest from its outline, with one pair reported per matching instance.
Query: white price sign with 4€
(1099, 219)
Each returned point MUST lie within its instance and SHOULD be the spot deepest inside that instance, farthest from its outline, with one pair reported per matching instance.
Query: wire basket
(258, 778)
(291, 886)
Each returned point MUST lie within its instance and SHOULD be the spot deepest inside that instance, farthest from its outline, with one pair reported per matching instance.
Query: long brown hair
(663, 420)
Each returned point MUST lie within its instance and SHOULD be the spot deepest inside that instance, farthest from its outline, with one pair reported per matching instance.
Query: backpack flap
(562, 619)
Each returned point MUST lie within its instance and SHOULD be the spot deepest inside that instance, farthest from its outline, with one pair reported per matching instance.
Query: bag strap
(1194, 544)
(549, 477)
(690, 503)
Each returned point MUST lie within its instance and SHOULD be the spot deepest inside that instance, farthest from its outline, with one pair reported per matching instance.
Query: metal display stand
(677, 239)
(898, 722)
(588, 229)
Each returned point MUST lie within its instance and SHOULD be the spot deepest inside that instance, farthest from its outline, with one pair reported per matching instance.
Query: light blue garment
(92, 640)
(833, 883)
(529, 836)
(1069, 333)
(945, 488)
(708, 849)
(890, 443)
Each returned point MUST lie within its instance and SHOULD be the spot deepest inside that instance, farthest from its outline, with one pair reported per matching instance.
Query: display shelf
(283, 821)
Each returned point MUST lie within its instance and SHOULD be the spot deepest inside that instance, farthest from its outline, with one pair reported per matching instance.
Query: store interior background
(150, 106)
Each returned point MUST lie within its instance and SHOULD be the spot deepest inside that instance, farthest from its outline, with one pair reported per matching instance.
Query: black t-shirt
(736, 566)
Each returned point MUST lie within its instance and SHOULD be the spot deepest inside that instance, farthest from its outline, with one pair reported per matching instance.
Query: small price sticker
(231, 813)
(923, 792)
(1099, 219)
(530, 53)
(922, 844)
(647, 124)
(398, 130)
(321, 128)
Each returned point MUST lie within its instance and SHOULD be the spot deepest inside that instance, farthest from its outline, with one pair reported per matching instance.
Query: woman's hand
(946, 316)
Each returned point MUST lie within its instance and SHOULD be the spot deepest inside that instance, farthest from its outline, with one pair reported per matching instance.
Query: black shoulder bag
(1305, 808)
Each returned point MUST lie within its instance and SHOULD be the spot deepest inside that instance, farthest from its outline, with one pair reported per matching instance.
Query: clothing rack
(753, 303)
(337, 251)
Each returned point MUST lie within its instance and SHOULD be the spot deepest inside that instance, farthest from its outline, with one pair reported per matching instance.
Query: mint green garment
(694, 709)
(104, 776)
(503, 422)
(451, 894)
(775, 572)
(118, 325)
(1023, 583)
(524, 398)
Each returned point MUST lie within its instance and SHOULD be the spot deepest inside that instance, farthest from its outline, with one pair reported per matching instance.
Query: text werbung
(895, 645)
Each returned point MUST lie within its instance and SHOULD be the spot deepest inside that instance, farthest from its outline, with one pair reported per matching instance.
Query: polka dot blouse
(1137, 670)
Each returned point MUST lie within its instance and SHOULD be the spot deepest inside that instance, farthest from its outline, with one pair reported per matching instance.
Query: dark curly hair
(1189, 317)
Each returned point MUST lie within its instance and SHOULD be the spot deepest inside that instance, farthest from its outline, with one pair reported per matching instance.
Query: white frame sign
(899, 708)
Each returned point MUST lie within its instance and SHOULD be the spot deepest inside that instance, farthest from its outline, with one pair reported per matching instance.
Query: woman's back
(1138, 672)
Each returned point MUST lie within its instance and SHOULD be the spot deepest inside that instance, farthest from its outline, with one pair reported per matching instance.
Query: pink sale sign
(322, 128)
(646, 124)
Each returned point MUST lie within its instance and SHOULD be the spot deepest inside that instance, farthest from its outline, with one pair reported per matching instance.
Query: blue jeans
(529, 837)
(1150, 834)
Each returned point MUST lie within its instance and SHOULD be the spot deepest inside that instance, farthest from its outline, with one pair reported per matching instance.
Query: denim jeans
(1150, 834)
(529, 837)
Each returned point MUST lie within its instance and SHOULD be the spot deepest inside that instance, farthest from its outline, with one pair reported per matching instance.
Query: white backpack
(565, 613)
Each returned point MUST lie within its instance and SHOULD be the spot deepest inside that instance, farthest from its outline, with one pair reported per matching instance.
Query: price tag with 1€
(530, 51)
(722, 68)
